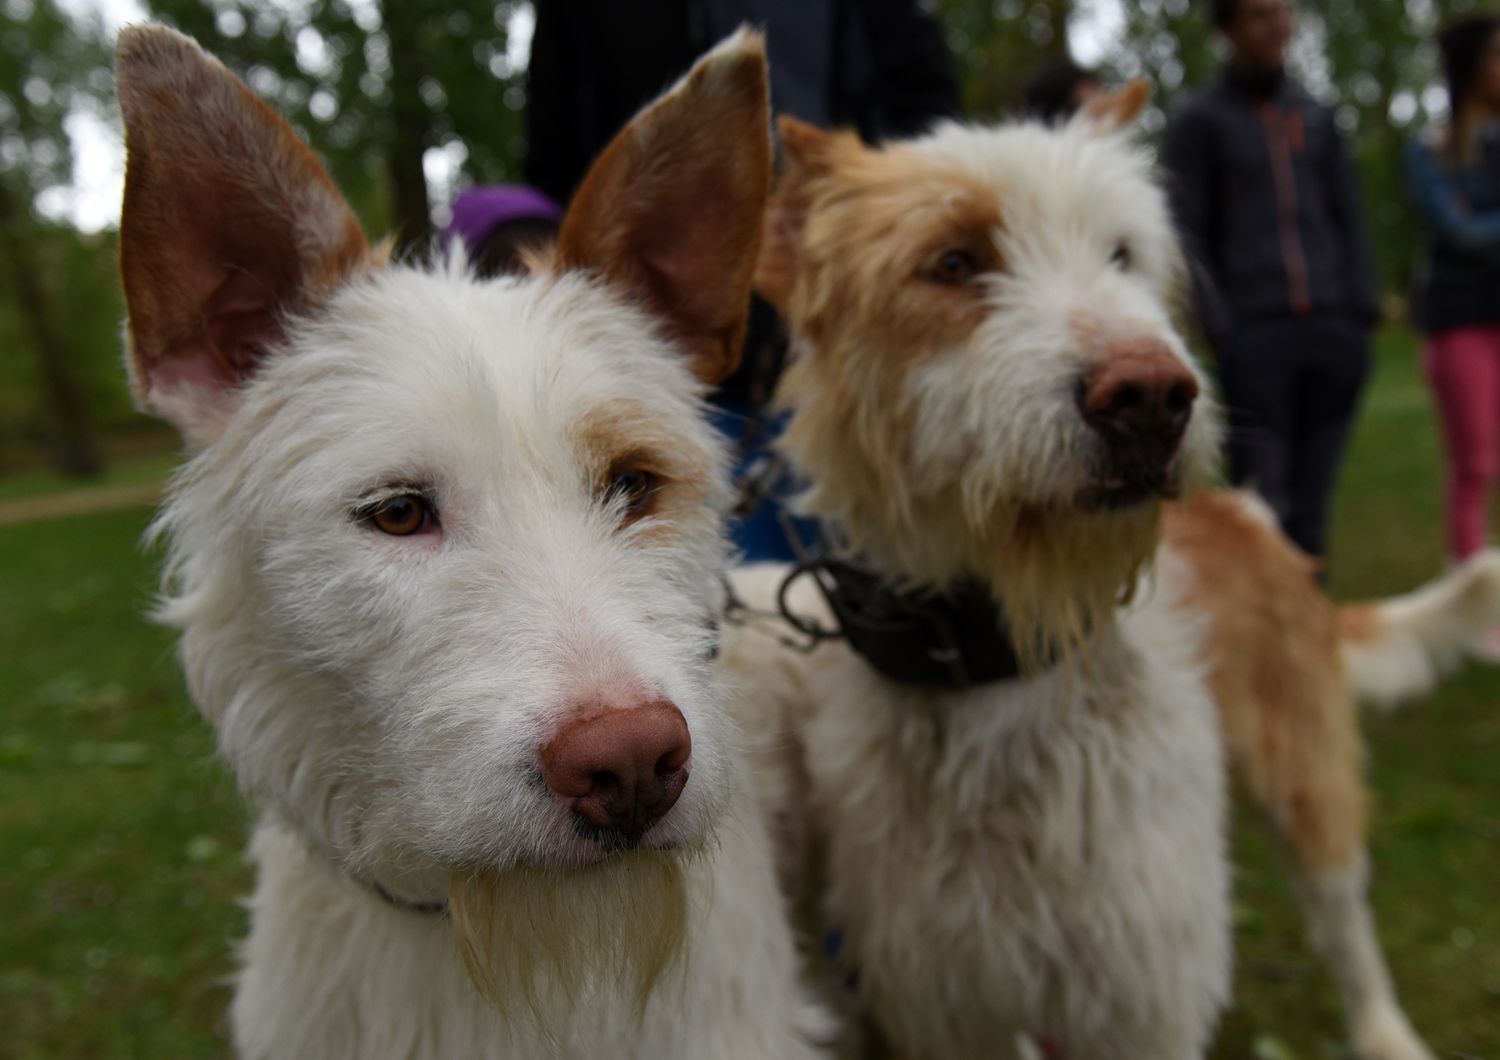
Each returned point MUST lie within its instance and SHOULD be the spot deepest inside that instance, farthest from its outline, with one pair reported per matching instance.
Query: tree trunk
(75, 447)
(412, 129)
(1058, 14)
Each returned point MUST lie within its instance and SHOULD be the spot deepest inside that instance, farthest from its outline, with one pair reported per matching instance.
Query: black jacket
(1268, 205)
(594, 63)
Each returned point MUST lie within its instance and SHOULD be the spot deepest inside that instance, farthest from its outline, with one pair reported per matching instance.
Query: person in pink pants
(1463, 364)
(1454, 178)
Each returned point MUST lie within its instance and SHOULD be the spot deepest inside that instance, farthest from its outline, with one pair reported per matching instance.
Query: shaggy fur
(381, 696)
(1030, 863)
(1047, 854)
(935, 423)
(525, 934)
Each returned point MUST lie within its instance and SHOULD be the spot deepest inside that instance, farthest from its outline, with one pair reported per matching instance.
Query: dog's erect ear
(229, 223)
(1109, 111)
(671, 212)
(806, 152)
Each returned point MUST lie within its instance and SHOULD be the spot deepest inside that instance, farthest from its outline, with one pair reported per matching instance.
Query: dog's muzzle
(1137, 405)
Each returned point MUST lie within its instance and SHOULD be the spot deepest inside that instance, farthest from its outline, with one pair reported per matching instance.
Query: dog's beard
(530, 935)
(1060, 573)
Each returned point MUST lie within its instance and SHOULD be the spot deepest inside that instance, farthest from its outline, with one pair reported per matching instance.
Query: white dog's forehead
(417, 376)
(1068, 181)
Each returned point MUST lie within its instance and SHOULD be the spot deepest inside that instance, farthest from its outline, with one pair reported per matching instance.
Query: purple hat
(481, 209)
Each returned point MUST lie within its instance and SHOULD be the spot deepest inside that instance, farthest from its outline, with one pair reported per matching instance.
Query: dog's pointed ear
(229, 223)
(671, 212)
(1110, 111)
(807, 152)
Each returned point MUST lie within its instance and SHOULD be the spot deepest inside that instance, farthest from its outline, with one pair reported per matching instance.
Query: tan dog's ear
(806, 152)
(229, 223)
(671, 212)
(1109, 111)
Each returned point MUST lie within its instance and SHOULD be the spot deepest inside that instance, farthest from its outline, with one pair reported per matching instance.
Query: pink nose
(620, 769)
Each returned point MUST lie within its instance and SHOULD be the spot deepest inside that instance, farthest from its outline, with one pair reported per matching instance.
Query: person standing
(1454, 180)
(1268, 205)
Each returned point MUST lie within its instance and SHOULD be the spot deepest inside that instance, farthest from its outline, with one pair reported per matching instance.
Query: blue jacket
(1267, 202)
(1459, 283)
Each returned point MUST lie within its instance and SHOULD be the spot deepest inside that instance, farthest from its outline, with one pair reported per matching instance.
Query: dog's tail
(1399, 648)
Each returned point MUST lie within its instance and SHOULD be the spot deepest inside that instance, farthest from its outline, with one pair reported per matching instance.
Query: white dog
(444, 561)
(989, 404)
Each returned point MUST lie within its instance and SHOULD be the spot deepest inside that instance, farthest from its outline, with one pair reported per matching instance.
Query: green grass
(128, 471)
(120, 836)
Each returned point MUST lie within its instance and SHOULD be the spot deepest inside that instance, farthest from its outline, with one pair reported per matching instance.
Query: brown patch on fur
(1117, 109)
(229, 222)
(538, 259)
(851, 276)
(529, 934)
(1097, 556)
(1289, 721)
(671, 213)
(1360, 623)
(623, 434)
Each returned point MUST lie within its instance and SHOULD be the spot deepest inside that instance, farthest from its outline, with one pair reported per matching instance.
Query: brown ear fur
(807, 151)
(229, 222)
(671, 212)
(1117, 109)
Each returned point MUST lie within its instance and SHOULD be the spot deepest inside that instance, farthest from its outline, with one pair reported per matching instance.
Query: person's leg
(1462, 368)
(1256, 379)
(1491, 426)
(1335, 360)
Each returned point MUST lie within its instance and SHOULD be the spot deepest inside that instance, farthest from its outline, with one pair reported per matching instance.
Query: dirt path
(79, 502)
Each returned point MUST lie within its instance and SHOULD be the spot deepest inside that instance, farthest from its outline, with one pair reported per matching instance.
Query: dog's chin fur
(1061, 573)
(530, 935)
(1059, 569)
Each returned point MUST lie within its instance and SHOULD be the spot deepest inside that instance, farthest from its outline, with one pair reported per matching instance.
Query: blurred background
(120, 835)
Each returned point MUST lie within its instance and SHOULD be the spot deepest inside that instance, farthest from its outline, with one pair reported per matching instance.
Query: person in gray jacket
(1268, 205)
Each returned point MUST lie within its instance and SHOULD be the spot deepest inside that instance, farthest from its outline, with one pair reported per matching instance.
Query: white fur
(1040, 858)
(384, 698)
(1424, 633)
(1067, 199)
(1342, 929)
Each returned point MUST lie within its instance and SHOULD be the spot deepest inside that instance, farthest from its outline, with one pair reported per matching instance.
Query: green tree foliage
(999, 43)
(374, 86)
(50, 66)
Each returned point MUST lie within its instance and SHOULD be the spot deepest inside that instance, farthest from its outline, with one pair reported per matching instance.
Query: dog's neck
(950, 639)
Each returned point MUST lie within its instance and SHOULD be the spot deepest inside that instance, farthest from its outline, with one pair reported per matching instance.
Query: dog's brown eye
(1120, 259)
(635, 490)
(954, 267)
(402, 515)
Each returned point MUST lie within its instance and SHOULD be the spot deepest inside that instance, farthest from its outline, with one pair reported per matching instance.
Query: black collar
(950, 640)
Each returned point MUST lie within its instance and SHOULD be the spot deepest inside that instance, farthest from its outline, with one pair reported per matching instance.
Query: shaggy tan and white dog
(444, 560)
(987, 391)
(1028, 863)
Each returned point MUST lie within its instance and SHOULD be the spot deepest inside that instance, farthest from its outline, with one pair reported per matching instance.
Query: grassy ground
(120, 836)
